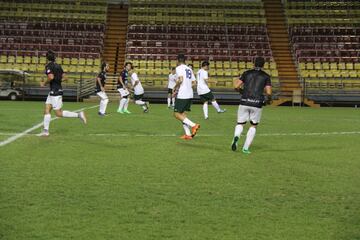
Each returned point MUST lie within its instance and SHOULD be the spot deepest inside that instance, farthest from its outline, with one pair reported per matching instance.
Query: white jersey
(172, 81)
(138, 90)
(185, 90)
(202, 86)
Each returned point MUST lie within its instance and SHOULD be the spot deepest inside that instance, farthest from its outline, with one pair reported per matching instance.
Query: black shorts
(138, 97)
(182, 105)
(170, 91)
(207, 97)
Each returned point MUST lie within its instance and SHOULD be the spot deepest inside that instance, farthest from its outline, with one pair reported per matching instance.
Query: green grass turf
(131, 177)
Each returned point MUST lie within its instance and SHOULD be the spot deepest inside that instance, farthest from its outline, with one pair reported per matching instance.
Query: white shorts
(55, 102)
(246, 113)
(123, 92)
(102, 95)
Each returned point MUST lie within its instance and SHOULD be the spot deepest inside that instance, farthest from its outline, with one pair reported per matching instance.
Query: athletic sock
(47, 119)
(169, 101)
(139, 102)
(216, 106)
(206, 110)
(249, 137)
(187, 129)
(68, 114)
(238, 130)
(173, 101)
(126, 104)
(103, 105)
(122, 104)
(189, 122)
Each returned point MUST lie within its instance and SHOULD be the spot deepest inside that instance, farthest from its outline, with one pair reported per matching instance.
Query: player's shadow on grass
(199, 145)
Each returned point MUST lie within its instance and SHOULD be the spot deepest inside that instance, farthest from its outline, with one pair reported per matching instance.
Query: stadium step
(115, 36)
(279, 41)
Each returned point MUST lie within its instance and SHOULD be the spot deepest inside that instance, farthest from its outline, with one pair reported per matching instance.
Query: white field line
(200, 135)
(16, 136)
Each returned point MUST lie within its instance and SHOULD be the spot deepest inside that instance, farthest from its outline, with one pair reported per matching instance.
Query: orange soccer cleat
(195, 129)
(186, 137)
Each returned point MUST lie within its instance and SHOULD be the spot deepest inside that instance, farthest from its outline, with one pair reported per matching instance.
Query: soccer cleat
(194, 130)
(127, 111)
(102, 114)
(82, 117)
(44, 133)
(186, 137)
(120, 111)
(222, 111)
(246, 151)
(234, 144)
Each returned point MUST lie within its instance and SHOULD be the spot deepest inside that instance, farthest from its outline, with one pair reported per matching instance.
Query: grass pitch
(131, 177)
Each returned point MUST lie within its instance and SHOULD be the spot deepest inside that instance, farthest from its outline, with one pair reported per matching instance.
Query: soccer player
(138, 91)
(171, 85)
(184, 93)
(204, 91)
(55, 74)
(253, 82)
(100, 89)
(122, 87)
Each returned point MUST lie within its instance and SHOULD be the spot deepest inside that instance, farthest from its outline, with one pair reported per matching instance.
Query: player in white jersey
(171, 85)
(204, 91)
(138, 91)
(184, 93)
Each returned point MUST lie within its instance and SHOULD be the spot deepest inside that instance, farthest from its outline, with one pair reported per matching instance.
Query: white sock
(103, 105)
(122, 104)
(47, 119)
(189, 122)
(249, 137)
(206, 110)
(187, 129)
(216, 106)
(173, 101)
(67, 114)
(169, 101)
(139, 102)
(238, 130)
(126, 104)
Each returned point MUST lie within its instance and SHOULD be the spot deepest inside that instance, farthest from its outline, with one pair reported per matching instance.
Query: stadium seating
(228, 34)
(325, 39)
(29, 28)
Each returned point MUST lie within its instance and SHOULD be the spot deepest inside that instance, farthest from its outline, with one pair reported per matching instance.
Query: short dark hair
(181, 58)
(205, 63)
(50, 55)
(103, 65)
(127, 63)
(259, 62)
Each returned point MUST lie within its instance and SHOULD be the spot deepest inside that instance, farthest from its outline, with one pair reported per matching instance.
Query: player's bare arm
(237, 84)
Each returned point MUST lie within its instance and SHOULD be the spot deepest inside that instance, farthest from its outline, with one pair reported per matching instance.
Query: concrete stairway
(115, 36)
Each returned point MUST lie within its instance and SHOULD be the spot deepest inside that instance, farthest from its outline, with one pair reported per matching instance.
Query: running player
(171, 85)
(138, 91)
(184, 93)
(55, 74)
(100, 89)
(252, 100)
(122, 87)
(204, 91)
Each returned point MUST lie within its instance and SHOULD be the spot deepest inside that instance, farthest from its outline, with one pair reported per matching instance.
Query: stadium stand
(229, 34)
(29, 28)
(325, 40)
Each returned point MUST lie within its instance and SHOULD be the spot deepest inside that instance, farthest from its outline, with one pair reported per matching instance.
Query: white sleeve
(206, 75)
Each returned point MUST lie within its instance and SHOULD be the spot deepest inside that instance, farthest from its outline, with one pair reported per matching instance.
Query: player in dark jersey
(100, 89)
(253, 83)
(122, 86)
(55, 74)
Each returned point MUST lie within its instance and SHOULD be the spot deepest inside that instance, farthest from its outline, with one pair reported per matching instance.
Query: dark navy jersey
(102, 76)
(55, 84)
(125, 77)
(254, 82)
